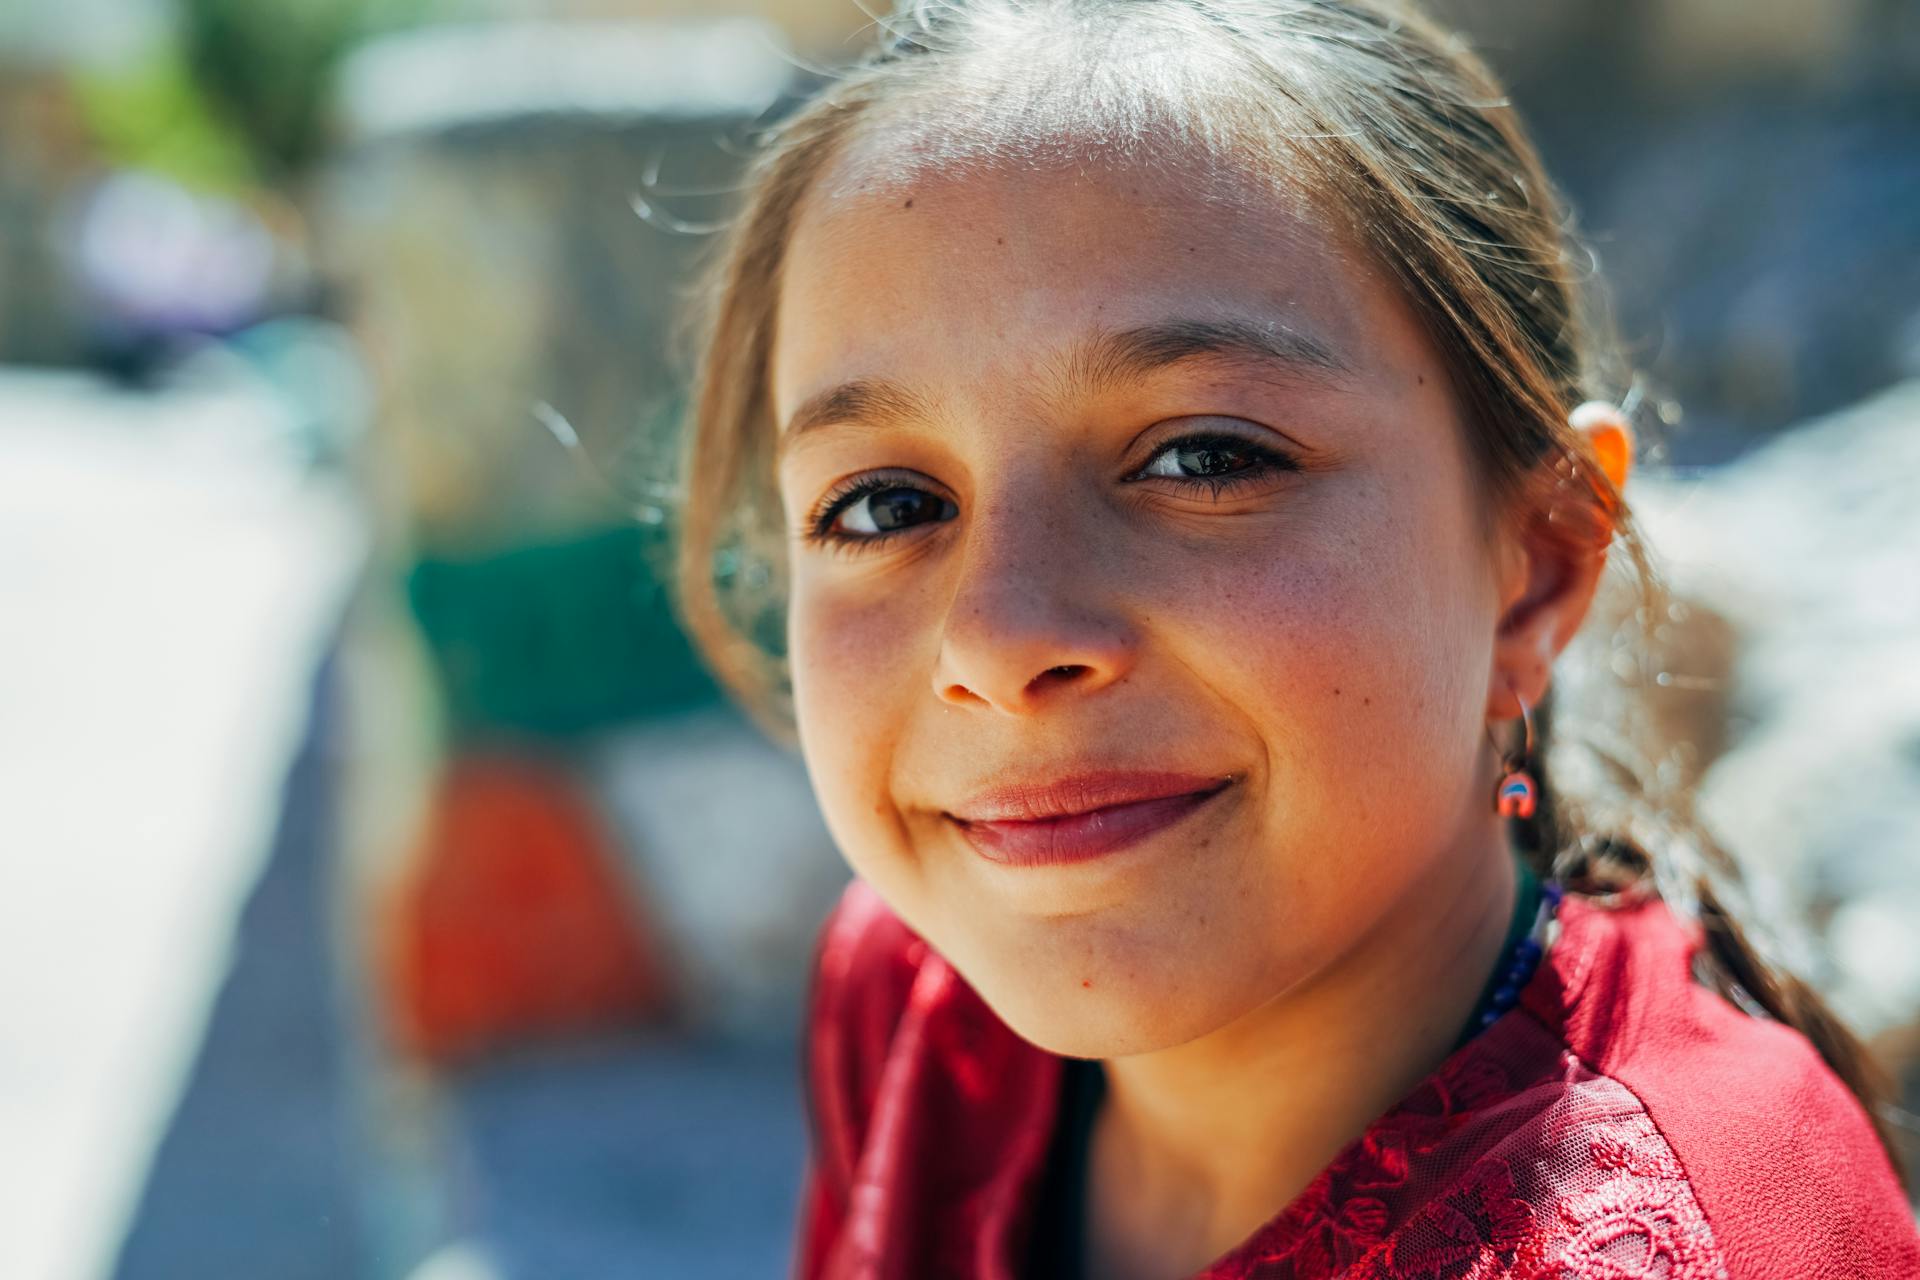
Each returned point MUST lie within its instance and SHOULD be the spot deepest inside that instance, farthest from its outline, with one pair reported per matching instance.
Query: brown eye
(1214, 460)
(1200, 461)
(881, 507)
(892, 509)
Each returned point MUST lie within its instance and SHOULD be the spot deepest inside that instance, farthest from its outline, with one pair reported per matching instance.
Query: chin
(1117, 1021)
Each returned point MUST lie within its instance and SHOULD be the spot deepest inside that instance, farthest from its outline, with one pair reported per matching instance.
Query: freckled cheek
(855, 643)
(1319, 645)
(1371, 711)
(1303, 643)
(854, 683)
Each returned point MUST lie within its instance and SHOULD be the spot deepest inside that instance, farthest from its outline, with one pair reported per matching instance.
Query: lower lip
(1077, 837)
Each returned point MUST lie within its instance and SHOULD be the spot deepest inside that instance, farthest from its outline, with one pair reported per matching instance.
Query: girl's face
(1143, 609)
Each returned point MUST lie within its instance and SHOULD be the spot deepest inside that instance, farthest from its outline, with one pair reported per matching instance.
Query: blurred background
(386, 891)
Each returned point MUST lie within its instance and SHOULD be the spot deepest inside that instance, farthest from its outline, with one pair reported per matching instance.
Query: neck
(1201, 1143)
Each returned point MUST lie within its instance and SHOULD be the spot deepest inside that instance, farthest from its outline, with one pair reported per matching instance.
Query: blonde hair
(1398, 133)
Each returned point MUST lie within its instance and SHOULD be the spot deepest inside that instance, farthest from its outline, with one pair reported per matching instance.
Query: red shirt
(1623, 1123)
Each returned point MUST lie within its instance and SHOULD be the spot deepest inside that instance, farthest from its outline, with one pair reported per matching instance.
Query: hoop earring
(1517, 794)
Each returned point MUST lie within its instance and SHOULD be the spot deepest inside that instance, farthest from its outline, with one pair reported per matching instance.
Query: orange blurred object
(515, 923)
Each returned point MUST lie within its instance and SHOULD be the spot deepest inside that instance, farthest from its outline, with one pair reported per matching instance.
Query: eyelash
(819, 526)
(1264, 461)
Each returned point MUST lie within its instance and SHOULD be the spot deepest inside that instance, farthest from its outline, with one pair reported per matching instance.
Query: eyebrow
(1112, 357)
(1124, 354)
(874, 401)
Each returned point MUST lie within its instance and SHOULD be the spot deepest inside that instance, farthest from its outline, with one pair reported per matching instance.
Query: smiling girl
(1165, 435)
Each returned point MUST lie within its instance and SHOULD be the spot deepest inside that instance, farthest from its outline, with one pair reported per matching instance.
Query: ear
(1548, 579)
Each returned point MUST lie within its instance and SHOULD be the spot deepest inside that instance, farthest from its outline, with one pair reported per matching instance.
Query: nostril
(960, 695)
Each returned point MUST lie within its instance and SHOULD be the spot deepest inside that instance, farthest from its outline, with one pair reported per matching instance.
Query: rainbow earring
(1517, 794)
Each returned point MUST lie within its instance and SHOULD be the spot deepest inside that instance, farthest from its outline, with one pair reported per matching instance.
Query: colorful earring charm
(1517, 793)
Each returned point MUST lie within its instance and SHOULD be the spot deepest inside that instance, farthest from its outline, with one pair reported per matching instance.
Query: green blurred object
(152, 115)
(556, 639)
(267, 69)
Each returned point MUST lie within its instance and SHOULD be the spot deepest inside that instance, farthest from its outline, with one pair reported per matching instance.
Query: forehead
(909, 259)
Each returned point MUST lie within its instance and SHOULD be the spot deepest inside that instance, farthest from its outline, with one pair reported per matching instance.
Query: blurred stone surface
(1767, 256)
(482, 220)
(1807, 556)
(1779, 682)
(1745, 172)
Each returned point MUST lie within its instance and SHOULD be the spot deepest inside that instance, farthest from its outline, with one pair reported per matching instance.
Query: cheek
(855, 658)
(1357, 648)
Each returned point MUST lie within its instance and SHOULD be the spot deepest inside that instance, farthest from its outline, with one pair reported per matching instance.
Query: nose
(1032, 621)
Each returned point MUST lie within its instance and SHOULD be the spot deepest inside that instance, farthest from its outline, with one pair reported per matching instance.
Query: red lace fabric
(1512, 1160)
(1623, 1124)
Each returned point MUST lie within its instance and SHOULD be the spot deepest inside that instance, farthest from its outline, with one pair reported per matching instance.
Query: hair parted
(1398, 134)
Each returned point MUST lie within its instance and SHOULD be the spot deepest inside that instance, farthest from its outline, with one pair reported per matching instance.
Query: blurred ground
(170, 587)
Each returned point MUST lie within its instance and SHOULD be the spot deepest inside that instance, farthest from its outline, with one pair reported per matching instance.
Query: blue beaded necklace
(1534, 908)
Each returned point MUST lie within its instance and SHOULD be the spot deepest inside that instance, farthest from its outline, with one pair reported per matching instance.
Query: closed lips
(1080, 817)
